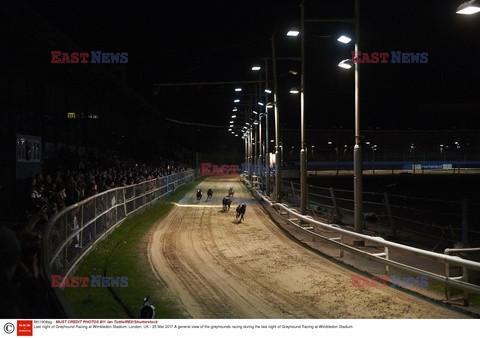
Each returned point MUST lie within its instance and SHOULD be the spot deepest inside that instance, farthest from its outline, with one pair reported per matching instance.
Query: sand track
(220, 269)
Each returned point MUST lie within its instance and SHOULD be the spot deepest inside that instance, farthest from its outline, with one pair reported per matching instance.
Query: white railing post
(387, 258)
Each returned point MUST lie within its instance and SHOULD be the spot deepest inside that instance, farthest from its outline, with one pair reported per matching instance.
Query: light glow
(344, 39)
(469, 8)
(345, 64)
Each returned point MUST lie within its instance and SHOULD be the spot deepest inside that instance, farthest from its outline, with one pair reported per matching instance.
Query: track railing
(72, 232)
(445, 222)
(307, 225)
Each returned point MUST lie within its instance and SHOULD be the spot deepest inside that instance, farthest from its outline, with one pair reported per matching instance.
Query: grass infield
(125, 253)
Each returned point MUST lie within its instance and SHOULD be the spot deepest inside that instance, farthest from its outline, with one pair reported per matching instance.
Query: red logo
(24, 327)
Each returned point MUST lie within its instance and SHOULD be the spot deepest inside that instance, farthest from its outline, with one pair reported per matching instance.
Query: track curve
(221, 269)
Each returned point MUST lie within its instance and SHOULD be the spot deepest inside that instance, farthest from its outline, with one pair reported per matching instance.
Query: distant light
(255, 112)
(293, 32)
(344, 39)
(230, 129)
(270, 105)
(233, 132)
(293, 72)
(236, 100)
(234, 109)
(345, 64)
(260, 104)
(255, 122)
(330, 142)
(469, 7)
(368, 142)
(256, 68)
(294, 91)
(234, 116)
(268, 91)
(247, 123)
(231, 126)
(238, 89)
(236, 135)
(272, 141)
(231, 121)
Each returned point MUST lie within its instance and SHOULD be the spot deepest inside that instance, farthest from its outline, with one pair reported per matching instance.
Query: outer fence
(72, 232)
(311, 227)
(445, 222)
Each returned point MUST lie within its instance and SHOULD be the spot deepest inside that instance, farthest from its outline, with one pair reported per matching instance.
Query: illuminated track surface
(220, 269)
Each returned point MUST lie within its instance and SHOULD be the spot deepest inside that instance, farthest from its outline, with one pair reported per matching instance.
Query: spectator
(92, 189)
(37, 201)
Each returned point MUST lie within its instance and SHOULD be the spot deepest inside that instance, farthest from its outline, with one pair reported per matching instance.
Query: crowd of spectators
(65, 180)
(73, 178)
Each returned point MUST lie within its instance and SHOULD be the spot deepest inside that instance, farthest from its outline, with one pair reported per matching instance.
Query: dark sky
(201, 41)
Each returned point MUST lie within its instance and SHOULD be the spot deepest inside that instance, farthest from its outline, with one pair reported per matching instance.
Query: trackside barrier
(464, 275)
(307, 223)
(446, 222)
(71, 233)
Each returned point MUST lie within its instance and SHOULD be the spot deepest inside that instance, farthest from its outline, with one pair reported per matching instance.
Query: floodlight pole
(267, 141)
(357, 150)
(278, 161)
(303, 152)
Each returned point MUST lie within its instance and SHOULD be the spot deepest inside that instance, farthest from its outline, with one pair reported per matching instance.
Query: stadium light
(344, 39)
(293, 32)
(469, 7)
(345, 64)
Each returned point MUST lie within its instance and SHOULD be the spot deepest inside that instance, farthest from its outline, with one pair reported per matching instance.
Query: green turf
(124, 253)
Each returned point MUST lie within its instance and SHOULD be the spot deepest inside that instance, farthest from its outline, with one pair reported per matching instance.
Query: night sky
(202, 41)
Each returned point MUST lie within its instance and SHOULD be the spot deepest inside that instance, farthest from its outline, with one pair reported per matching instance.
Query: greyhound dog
(209, 194)
(241, 211)
(226, 203)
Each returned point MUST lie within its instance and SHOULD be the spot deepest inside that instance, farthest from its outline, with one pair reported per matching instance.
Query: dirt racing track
(218, 268)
